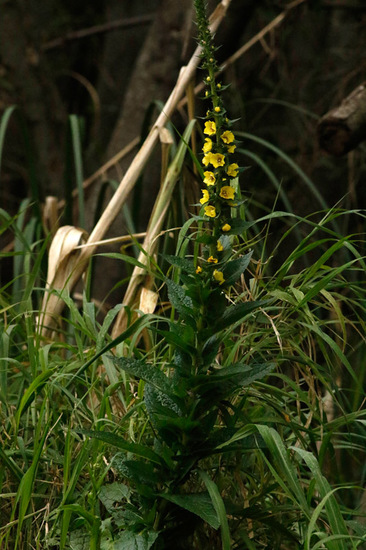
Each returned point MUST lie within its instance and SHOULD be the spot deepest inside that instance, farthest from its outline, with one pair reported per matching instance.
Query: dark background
(50, 68)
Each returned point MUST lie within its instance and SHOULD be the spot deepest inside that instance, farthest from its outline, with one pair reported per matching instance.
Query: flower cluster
(219, 194)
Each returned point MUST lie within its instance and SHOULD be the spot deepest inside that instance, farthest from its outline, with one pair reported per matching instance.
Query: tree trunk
(30, 86)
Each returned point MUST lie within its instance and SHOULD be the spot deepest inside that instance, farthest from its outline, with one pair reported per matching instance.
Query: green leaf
(80, 540)
(120, 443)
(238, 226)
(234, 269)
(237, 313)
(131, 330)
(334, 515)
(140, 369)
(10, 464)
(219, 506)
(182, 263)
(30, 393)
(139, 472)
(285, 470)
(113, 494)
(199, 504)
(135, 541)
(177, 341)
(229, 379)
(181, 302)
(158, 402)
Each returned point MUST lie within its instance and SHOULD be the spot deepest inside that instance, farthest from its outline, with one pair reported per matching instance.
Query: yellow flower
(205, 196)
(231, 148)
(198, 270)
(227, 137)
(220, 248)
(206, 159)
(210, 128)
(227, 192)
(210, 211)
(212, 260)
(219, 85)
(232, 170)
(209, 178)
(226, 227)
(218, 276)
(217, 159)
(208, 79)
(217, 109)
(207, 146)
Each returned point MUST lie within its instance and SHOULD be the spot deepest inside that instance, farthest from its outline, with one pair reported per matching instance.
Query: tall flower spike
(219, 144)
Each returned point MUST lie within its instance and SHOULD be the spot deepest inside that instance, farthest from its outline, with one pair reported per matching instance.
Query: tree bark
(343, 128)
(28, 77)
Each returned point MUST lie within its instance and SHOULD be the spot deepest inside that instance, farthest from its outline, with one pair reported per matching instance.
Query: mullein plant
(170, 498)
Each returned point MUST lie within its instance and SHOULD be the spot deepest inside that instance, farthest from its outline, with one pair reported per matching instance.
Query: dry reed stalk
(53, 304)
(139, 278)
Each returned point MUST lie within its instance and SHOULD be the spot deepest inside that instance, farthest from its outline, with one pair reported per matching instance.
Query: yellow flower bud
(226, 227)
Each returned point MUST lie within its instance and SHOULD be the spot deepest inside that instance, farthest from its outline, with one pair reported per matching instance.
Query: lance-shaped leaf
(234, 269)
(237, 313)
(181, 302)
(199, 504)
(140, 369)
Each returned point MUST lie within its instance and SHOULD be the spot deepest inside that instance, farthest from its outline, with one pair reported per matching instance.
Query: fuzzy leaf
(135, 541)
(183, 263)
(113, 493)
(138, 471)
(80, 540)
(234, 269)
(228, 379)
(140, 369)
(181, 302)
(158, 403)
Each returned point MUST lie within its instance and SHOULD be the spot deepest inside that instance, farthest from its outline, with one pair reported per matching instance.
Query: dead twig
(98, 29)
